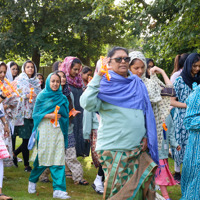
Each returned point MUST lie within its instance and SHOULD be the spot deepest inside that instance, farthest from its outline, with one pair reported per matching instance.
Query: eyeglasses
(119, 59)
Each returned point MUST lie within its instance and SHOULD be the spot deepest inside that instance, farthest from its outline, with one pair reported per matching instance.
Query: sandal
(82, 182)
(4, 197)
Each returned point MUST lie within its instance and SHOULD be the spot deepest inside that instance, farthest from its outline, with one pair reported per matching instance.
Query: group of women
(127, 119)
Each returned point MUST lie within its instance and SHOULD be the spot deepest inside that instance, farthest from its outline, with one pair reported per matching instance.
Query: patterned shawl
(66, 68)
(24, 83)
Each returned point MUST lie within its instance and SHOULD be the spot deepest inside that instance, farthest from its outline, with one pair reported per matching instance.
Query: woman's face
(40, 79)
(75, 70)
(86, 75)
(14, 70)
(3, 70)
(138, 68)
(29, 69)
(150, 65)
(195, 68)
(54, 82)
(120, 67)
(63, 78)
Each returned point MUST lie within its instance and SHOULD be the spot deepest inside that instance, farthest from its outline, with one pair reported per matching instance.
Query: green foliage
(58, 28)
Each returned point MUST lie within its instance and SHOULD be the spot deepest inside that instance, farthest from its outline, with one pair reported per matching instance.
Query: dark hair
(55, 66)
(68, 96)
(133, 61)
(86, 69)
(29, 61)
(3, 64)
(75, 61)
(43, 84)
(148, 60)
(196, 59)
(114, 49)
(179, 61)
(56, 73)
(12, 63)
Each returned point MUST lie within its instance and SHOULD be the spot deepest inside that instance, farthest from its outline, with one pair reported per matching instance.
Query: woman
(3, 150)
(183, 88)
(190, 180)
(74, 168)
(56, 65)
(9, 105)
(42, 80)
(178, 66)
(51, 139)
(86, 73)
(12, 71)
(23, 114)
(160, 104)
(125, 111)
(150, 64)
(72, 68)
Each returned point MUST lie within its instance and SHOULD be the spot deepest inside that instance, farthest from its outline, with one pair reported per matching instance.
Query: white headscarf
(9, 75)
(153, 86)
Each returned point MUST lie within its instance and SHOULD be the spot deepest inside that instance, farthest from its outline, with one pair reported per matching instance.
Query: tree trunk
(36, 58)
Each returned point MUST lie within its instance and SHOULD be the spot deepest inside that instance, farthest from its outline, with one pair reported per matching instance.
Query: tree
(58, 28)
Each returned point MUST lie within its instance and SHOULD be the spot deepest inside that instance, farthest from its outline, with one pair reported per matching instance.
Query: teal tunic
(120, 129)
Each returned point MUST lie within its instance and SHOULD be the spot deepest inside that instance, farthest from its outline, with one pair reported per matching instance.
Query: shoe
(82, 182)
(5, 197)
(28, 169)
(31, 187)
(60, 194)
(98, 188)
(15, 161)
(177, 177)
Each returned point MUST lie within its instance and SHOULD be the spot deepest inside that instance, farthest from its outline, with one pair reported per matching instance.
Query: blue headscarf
(186, 73)
(46, 102)
(131, 93)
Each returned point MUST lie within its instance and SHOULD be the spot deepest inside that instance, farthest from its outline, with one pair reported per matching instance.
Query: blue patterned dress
(190, 180)
(181, 134)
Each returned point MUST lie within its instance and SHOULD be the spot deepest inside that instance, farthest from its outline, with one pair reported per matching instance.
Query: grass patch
(16, 184)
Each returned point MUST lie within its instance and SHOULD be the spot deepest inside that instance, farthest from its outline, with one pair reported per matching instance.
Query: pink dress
(163, 174)
(3, 150)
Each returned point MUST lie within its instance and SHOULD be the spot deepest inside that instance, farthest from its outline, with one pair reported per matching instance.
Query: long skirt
(128, 175)
(163, 174)
(190, 179)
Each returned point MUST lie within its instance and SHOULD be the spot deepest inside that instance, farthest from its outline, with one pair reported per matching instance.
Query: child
(164, 177)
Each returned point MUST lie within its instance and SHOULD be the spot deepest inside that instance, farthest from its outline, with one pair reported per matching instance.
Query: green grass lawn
(16, 184)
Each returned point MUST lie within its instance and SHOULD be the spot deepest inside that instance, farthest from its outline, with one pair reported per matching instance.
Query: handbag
(31, 141)
(168, 91)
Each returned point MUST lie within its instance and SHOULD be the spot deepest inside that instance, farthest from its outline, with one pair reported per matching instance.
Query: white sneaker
(60, 194)
(98, 185)
(31, 187)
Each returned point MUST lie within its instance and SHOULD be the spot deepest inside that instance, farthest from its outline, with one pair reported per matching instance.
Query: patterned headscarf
(66, 68)
(153, 89)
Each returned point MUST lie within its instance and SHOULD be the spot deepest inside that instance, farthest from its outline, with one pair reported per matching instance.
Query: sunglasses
(119, 59)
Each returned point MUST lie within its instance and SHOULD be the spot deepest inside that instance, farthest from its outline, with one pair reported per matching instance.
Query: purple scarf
(131, 93)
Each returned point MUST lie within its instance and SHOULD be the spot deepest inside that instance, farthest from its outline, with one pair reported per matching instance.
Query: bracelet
(2, 96)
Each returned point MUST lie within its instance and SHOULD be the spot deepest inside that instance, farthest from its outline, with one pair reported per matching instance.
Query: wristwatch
(2, 96)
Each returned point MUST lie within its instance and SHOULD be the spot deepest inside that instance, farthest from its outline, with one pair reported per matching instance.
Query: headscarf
(43, 84)
(46, 102)
(9, 75)
(186, 73)
(153, 88)
(131, 93)
(66, 68)
(24, 83)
